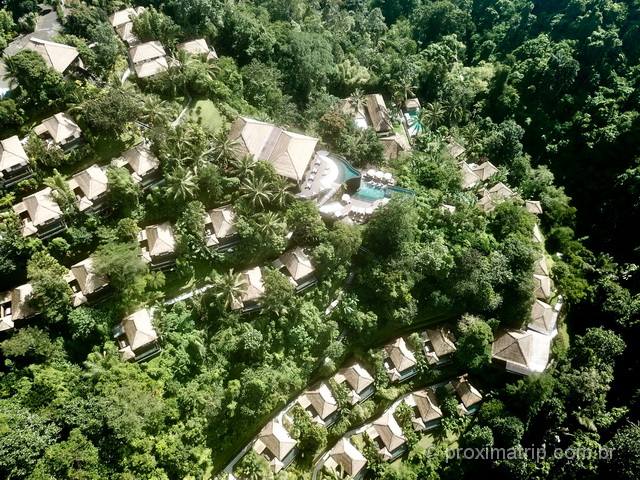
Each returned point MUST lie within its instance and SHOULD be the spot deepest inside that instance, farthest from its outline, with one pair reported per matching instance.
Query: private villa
(14, 163)
(40, 215)
(137, 339)
(61, 130)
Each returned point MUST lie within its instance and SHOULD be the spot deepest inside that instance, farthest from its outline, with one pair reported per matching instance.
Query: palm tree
(271, 222)
(12, 75)
(257, 191)
(230, 287)
(472, 136)
(356, 100)
(154, 111)
(182, 184)
(244, 166)
(224, 148)
(281, 189)
(432, 115)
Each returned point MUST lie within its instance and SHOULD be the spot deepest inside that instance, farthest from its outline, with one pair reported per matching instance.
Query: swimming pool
(370, 193)
(345, 170)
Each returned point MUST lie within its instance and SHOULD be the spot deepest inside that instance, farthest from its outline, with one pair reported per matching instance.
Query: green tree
(474, 343)
(230, 287)
(154, 25)
(51, 293)
(253, 467)
(110, 112)
(76, 457)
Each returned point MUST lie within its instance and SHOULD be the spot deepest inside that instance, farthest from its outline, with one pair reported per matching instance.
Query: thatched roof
(160, 239)
(20, 297)
(59, 127)
(542, 318)
(388, 430)
(441, 340)
(466, 392)
(11, 154)
(290, 153)
(523, 352)
(276, 439)
(92, 182)
(347, 456)
(55, 55)
(356, 376)
(88, 281)
(542, 267)
(377, 110)
(427, 405)
(141, 159)
(124, 16)
(40, 206)
(297, 263)
(393, 145)
(253, 287)
(223, 222)
(542, 286)
(485, 170)
(321, 399)
(146, 52)
(197, 47)
(453, 147)
(400, 355)
(533, 206)
(139, 330)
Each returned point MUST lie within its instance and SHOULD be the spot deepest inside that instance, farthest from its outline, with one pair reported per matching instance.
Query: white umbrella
(379, 174)
(346, 198)
(387, 176)
(371, 172)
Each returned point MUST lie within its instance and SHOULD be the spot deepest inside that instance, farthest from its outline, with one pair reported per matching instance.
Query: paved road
(48, 27)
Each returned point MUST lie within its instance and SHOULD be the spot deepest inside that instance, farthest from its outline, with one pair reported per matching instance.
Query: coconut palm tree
(230, 287)
(154, 111)
(432, 115)
(244, 166)
(271, 222)
(11, 74)
(224, 148)
(281, 189)
(257, 191)
(357, 100)
(182, 184)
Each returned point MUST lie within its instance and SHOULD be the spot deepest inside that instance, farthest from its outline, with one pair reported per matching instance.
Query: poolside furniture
(379, 174)
(387, 176)
(371, 172)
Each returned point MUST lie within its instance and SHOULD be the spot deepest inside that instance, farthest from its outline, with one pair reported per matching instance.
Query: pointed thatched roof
(356, 376)
(466, 392)
(11, 154)
(276, 439)
(348, 457)
(55, 55)
(297, 263)
(386, 427)
(40, 206)
(290, 153)
(400, 354)
(522, 352)
(59, 127)
(139, 330)
(321, 399)
(542, 318)
(427, 405)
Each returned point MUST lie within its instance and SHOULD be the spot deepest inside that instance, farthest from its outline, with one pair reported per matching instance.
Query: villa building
(14, 163)
(87, 286)
(387, 436)
(148, 59)
(220, 228)
(136, 337)
(290, 153)
(253, 289)
(399, 360)
(41, 215)
(14, 307)
(297, 266)
(158, 244)
(320, 404)
(358, 380)
(344, 458)
(276, 445)
(143, 165)
(60, 130)
(90, 189)
(58, 56)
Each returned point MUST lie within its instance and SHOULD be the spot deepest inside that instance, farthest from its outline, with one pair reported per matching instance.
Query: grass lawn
(206, 114)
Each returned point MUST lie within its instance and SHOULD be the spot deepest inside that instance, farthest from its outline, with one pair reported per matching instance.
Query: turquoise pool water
(370, 193)
(346, 171)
